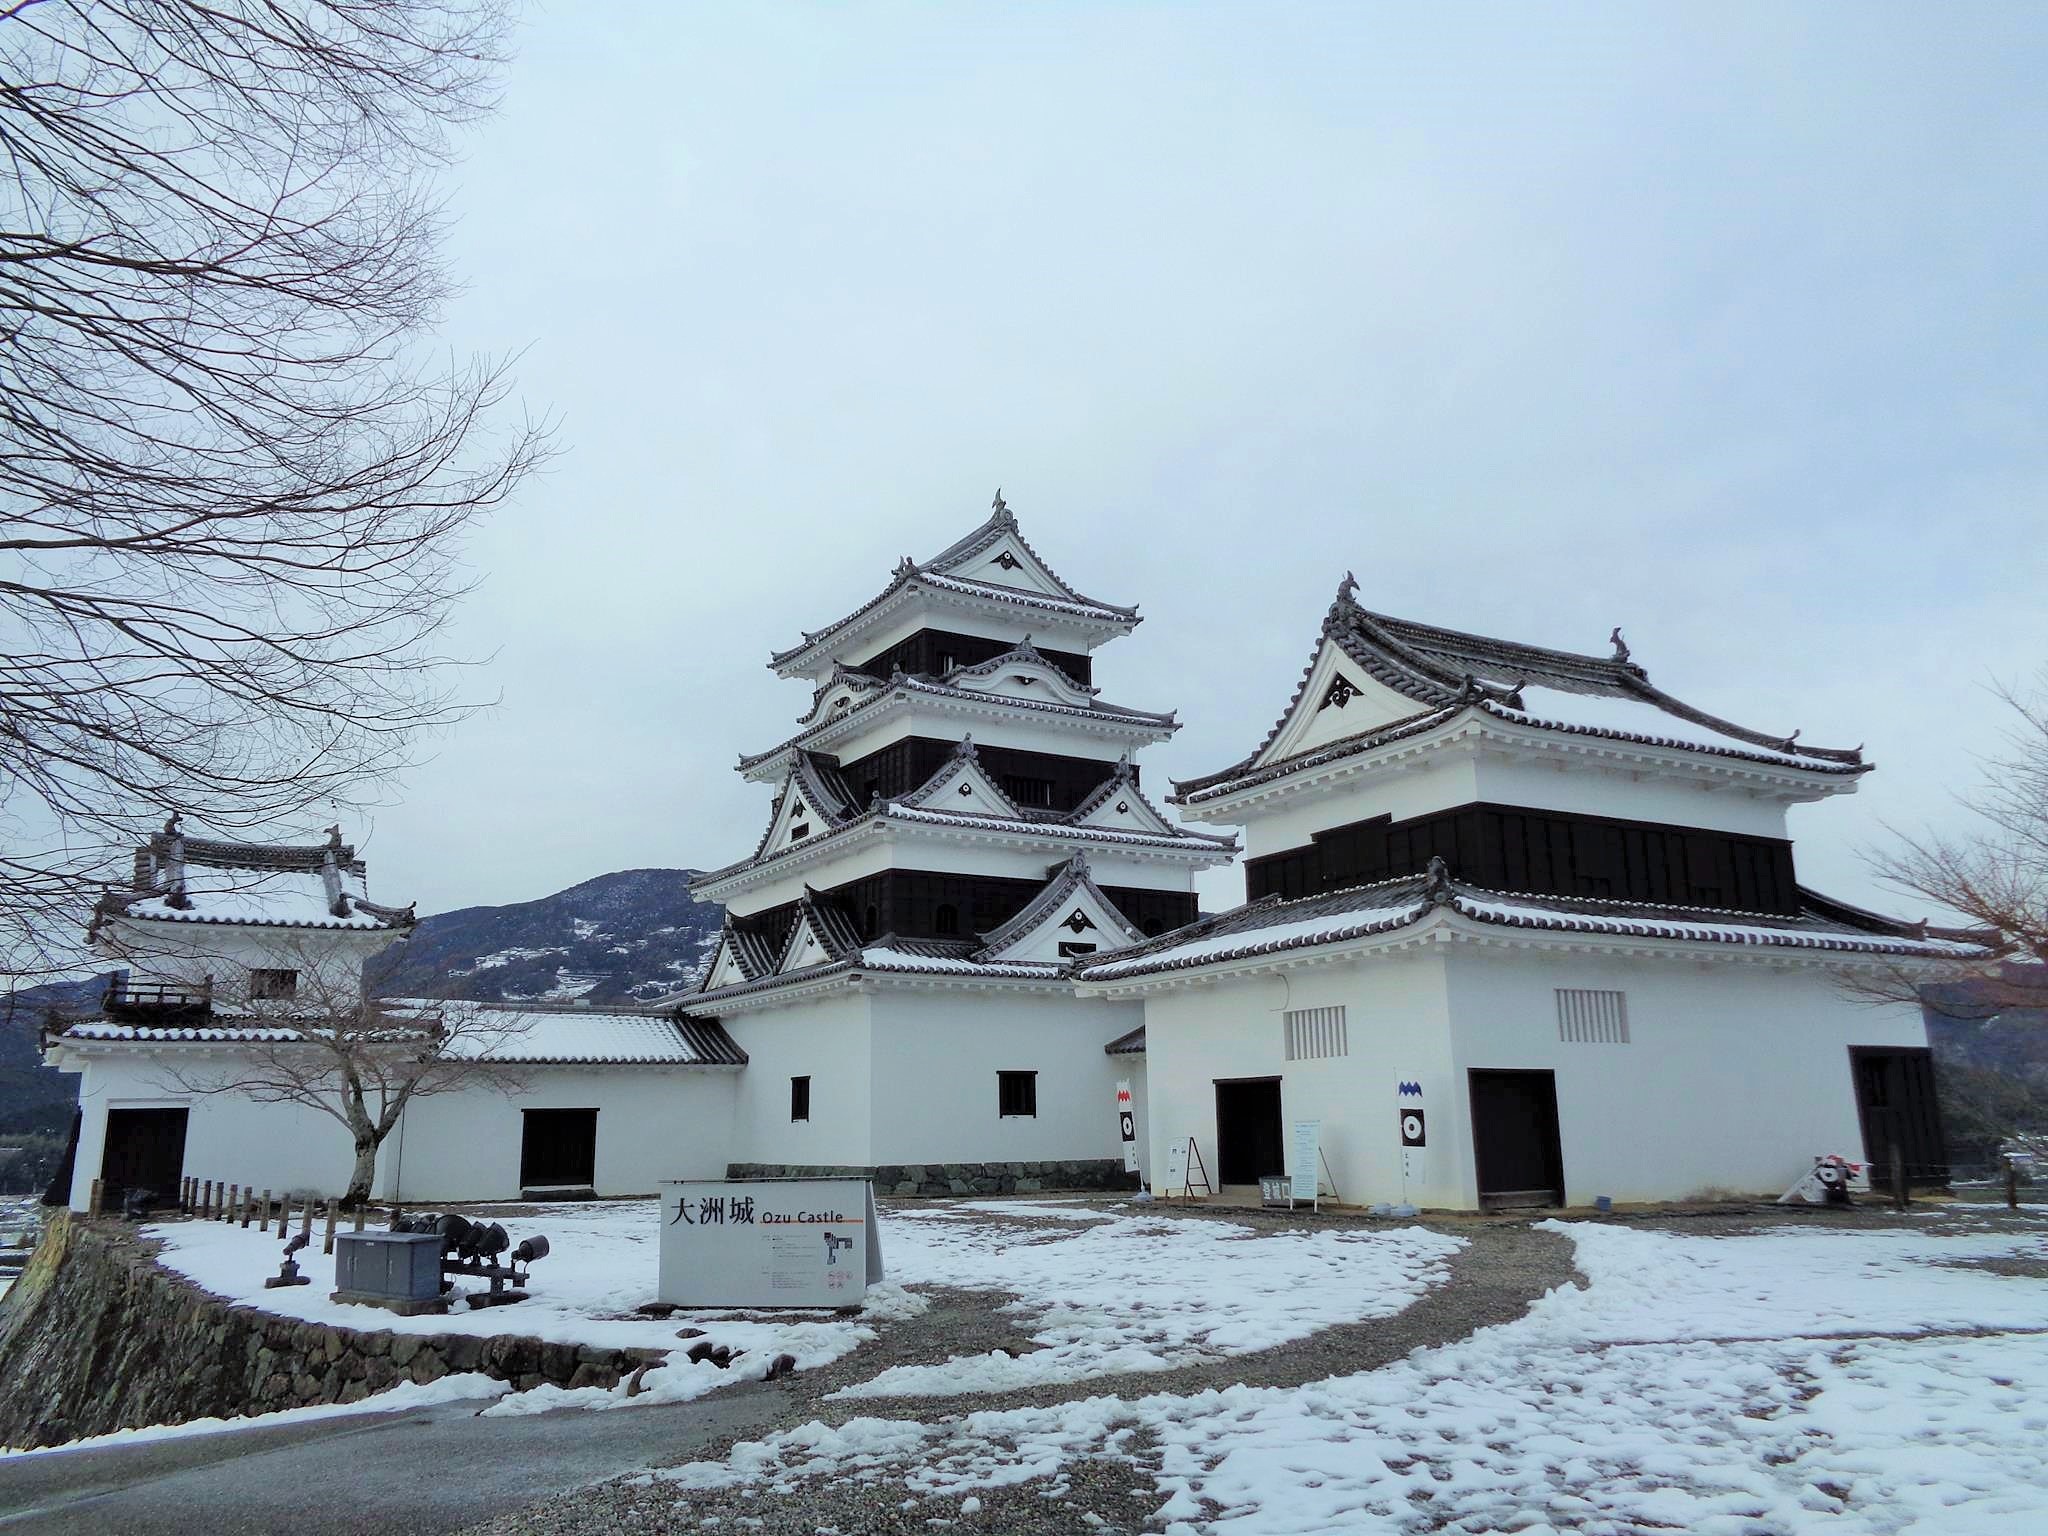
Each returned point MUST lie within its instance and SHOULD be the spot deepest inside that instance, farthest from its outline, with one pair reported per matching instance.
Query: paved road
(430, 1470)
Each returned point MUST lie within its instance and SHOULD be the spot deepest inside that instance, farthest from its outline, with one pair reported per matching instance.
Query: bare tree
(1995, 874)
(361, 1063)
(232, 489)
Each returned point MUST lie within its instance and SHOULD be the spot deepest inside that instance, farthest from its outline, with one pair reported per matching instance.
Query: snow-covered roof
(1272, 926)
(944, 573)
(522, 1034)
(1447, 671)
(925, 807)
(532, 1035)
(180, 879)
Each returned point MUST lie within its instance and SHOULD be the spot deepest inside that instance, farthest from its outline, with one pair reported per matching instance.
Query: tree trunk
(364, 1176)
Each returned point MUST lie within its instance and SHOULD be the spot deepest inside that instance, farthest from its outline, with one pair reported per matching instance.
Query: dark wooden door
(1248, 1142)
(145, 1149)
(1515, 1140)
(1895, 1100)
(558, 1149)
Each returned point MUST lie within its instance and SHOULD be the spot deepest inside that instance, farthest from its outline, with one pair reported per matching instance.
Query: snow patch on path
(1115, 1293)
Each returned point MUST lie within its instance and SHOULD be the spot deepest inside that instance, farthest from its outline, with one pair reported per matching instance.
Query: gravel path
(1504, 1267)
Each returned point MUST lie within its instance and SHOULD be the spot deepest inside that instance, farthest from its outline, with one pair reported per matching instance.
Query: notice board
(768, 1243)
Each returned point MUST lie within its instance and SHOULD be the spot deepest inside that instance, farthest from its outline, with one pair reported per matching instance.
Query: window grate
(1313, 1033)
(1017, 1093)
(1587, 1016)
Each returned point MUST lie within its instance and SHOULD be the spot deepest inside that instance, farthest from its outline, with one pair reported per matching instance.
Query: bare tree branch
(233, 489)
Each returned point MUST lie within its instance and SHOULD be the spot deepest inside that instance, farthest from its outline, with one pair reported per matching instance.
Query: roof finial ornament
(171, 823)
(1437, 889)
(1620, 645)
(334, 836)
(1002, 508)
(904, 567)
(1786, 744)
(1347, 589)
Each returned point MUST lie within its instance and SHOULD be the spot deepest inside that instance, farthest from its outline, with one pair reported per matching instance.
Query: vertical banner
(1414, 1133)
(1127, 1124)
(1306, 1165)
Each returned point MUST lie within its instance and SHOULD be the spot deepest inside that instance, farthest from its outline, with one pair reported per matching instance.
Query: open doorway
(1248, 1144)
(558, 1150)
(145, 1150)
(1895, 1102)
(1515, 1140)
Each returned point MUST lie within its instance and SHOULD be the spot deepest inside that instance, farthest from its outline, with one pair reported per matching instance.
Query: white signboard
(1127, 1124)
(1176, 1167)
(769, 1243)
(1307, 1161)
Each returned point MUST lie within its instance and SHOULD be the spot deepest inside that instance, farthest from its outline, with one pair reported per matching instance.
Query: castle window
(945, 921)
(273, 984)
(1017, 1094)
(799, 1098)
(1072, 951)
(1026, 790)
(1313, 1033)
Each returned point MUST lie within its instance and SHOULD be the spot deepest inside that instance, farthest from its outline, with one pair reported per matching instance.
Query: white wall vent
(1316, 1032)
(1586, 1016)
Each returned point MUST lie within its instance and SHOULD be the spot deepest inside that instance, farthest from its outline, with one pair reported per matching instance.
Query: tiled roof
(906, 683)
(1447, 670)
(1272, 926)
(1132, 1044)
(522, 1033)
(937, 573)
(180, 879)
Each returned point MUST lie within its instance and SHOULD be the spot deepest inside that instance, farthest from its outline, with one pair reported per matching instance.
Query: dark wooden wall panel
(1509, 848)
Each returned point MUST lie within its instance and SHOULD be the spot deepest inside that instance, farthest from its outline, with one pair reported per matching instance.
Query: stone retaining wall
(1102, 1173)
(96, 1336)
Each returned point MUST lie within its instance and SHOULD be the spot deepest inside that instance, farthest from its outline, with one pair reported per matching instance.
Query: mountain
(1990, 1040)
(628, 937)
(34, 1098)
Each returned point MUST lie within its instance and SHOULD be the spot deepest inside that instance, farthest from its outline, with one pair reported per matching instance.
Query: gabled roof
(944, 572)
(822, 923)
(1132, 1044)
(1023, 654)
(1271, 926)
(990, 809)
(1071, 884)
(180, 879)
(815, 786)
(1445, 671)
(915, 685)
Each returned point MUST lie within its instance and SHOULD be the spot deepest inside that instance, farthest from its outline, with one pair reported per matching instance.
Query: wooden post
(359, 1216)
(284, 1214)
(248, 1206)
(206, 1203)
(328, 1246)
(1899, 1196)
(227, 1210)
(263, 1223)
(2012, 1185)
(92, 1201)
(190, 1190)
(306, 1220)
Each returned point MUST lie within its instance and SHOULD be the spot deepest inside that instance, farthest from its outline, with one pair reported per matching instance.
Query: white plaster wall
(936, 1056)
(227, 1138)
(653, 1123)
(1461, 775)
(1734, 1076)
(1233, 1027)
(825, 1039)
(189, 953)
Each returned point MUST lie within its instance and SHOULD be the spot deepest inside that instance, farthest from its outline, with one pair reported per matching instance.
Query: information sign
(1176, 1167)
(1306, 1165)
(768, 1243)
(1127, 1124)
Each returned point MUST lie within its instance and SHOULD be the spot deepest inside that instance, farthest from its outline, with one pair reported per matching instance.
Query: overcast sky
(1725, 326)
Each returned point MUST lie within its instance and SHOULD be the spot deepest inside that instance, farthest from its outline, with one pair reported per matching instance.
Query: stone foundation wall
(1103, 1173)
(95, 1336)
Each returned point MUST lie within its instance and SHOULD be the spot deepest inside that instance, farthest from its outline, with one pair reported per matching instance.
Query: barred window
(1316, 1032)
(1589, 1017)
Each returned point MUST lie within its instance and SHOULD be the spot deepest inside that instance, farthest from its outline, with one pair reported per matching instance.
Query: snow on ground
(1717, 1419)
(1106, 1292)
(601, 1266)
(469, 1386)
